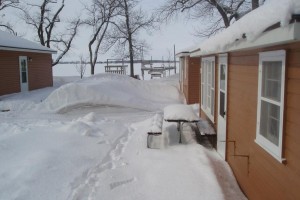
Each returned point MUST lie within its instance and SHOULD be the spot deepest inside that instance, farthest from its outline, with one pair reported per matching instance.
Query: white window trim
(275, 151)
(205, 110)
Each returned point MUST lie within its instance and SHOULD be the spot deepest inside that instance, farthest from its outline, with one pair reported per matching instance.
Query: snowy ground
(87, 140)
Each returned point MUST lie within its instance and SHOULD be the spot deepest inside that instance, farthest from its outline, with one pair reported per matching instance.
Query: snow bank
(252, 24)
(24, 101)
(112, 90)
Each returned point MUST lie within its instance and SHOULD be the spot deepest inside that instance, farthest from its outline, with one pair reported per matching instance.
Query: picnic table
(180, 114)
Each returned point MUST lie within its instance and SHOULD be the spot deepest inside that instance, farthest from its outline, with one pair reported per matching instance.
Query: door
(222, 105)
(23, 73)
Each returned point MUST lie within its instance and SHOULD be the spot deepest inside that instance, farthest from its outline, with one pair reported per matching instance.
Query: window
(208, 86)
(271, 79)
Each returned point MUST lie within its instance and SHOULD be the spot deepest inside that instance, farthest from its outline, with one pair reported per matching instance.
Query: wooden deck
(115, 69)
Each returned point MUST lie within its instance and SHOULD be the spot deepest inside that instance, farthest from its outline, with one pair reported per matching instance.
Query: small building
(250, 91)
(189, 76)
(24, 65)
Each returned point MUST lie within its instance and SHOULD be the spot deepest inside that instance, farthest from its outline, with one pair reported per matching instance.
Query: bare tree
(4, 4)
(45, 20)
(99, 17)
(127, 28)
(216, 14)
(81, 66)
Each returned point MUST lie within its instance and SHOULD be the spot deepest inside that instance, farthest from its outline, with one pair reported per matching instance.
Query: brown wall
(185, 83)
(193, 79)
(39, 71)
(262, 176)
(191, 82)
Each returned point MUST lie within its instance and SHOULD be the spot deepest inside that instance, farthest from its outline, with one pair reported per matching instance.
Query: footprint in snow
(103, 142)
(121, 183)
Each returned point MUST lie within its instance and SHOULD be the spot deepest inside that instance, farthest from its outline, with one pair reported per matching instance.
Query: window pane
(213, 74)
(202, 72)
(222, 77)
(269, 122)
(212, 109)
(23, 65)
(205, 81)
(271, 80)
(209, 74)
(24, 77)
(222, 104)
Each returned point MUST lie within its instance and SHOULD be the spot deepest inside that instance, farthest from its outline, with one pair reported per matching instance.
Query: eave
(282, 35)
(7, 48)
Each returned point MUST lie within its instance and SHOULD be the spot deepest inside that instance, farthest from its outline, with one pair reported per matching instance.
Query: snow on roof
(15, 43)
(252, 25)
(187, 51)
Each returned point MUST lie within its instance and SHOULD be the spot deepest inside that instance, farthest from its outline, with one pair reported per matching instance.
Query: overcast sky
(178, 32)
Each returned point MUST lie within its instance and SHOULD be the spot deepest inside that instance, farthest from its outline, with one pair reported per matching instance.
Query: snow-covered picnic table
(180, 114)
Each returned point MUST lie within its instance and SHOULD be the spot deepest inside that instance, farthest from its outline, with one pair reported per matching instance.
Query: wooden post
(174, 60)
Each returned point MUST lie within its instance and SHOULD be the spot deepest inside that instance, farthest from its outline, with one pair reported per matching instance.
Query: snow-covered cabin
(24, 65)
(189, 76)
(250, 92)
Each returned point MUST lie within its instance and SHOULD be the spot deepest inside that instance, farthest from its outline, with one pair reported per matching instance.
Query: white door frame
(23, 73)
(222, 112)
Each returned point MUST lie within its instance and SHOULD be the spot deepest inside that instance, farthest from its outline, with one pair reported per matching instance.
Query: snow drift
(113, 90)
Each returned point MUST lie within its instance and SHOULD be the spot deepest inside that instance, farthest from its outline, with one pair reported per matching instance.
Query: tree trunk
(222, 13)
(131, 56)
(255, 4)
(129, 32)
(92, 69)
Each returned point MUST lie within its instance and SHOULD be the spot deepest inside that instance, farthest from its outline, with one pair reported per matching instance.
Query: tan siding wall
(39, 71)
(191, 80)
(263, 177)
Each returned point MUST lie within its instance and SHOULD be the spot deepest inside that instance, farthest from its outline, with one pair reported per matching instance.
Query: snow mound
(156, 123)
(112, 90)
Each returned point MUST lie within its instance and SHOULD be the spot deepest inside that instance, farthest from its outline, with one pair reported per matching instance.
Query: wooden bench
(206, 130)
(179, 114)
(154, 139)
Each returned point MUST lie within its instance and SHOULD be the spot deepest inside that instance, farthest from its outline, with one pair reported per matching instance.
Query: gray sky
(178, 32)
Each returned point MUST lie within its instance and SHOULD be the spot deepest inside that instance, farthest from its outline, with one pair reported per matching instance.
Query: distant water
(70, 70)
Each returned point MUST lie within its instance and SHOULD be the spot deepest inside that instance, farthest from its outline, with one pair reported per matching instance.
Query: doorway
(23, 73)
(222, 105)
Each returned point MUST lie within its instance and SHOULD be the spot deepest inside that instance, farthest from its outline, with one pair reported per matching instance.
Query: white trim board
(183, 54)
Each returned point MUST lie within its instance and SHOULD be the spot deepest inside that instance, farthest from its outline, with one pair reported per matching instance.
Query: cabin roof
(251, 31)
(14, 43)
(187, 51)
